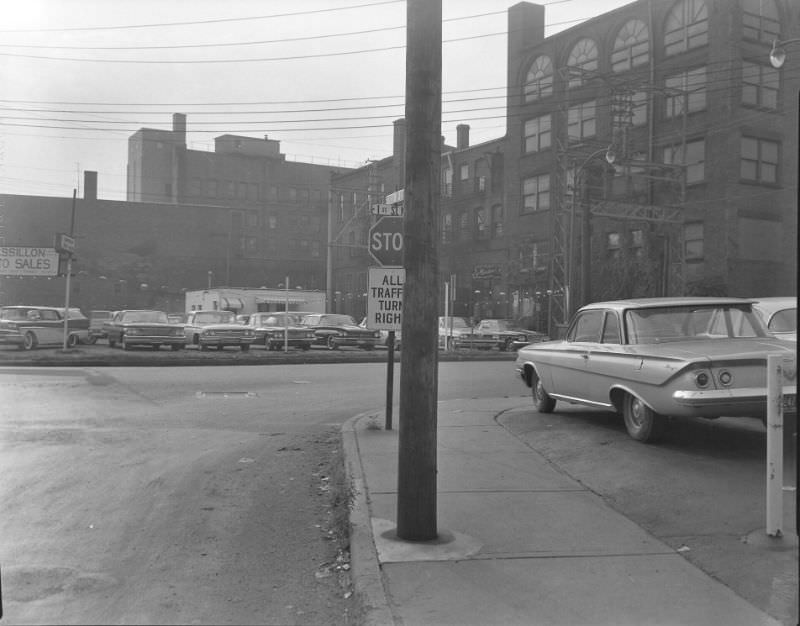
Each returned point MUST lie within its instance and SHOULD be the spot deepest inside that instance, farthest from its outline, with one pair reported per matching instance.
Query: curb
(364, 565)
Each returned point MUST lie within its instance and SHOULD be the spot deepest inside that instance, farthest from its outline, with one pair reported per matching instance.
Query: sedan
(656, 357)
(779, 315)
(29, 327)
(334, 330)
(279, 329)
(217, 329)
(505, 334)
(143, 328)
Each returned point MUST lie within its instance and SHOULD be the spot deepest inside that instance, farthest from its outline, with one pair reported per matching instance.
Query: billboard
(22, 261)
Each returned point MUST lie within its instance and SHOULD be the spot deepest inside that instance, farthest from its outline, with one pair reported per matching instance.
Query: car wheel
(332, 342)
(305, 346)
(541, 399)
(91, 340)
(203, 348)
(506, 345)
(125, 345)
(220, 348)
(245, 347)
(641, 422)
(176, 346)
(156, 346)
(29, 341)
(72, 341)
(112, 343)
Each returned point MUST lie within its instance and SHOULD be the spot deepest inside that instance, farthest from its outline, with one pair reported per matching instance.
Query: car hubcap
(637, 411)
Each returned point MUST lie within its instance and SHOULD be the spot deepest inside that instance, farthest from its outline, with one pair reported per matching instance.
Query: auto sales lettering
(385, 298)
(22, 261)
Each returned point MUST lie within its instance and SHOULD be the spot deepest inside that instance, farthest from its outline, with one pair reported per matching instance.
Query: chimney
(89, 185)
(179, 128)
(462, 136)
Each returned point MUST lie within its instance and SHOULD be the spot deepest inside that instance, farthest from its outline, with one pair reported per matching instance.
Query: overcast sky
(78, 77)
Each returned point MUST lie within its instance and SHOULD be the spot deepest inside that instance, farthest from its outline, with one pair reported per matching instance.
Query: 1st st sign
(386, 241)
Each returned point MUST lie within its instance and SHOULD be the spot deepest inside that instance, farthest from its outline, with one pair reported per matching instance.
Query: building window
(497, 220)
(582, 61)
(341, 207)
(632, 46)
(538, 133)
(464, 171)
(535, 257)
(447, 227)
(250, 247)
(315, 249)
(241, 191)
(480, 184)
(686, 92)
(759, 160)
(272, 222)
(536, 193)
(760, 20)
(463, 226)
(613, 244)
(482, 223)
(693, 241)
(637, 242)
(760, 85)
(447, 182)
(686, 27)
(272, 193)
(211, 188)
(639, 108)
(582, 121)
(693, 158)
(539, 82)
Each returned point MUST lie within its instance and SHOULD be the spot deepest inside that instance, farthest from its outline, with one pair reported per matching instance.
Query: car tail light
(725, 378)
(702, 379)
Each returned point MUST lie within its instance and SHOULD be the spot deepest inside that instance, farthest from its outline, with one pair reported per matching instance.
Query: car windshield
(149, 317)
(281, 319)
(505, 325)
(784, 321)
(214, 317)
(330, 320)
(678, 323)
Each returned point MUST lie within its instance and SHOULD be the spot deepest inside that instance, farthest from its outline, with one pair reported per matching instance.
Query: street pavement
(519, 541)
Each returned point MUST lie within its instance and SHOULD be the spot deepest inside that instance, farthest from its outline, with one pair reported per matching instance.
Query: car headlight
(209, 333)
(248, 333)
(177, 332)
(376, 334)
(133, 331)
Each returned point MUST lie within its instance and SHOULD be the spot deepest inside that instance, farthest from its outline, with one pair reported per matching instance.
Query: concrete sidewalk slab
(520, 542)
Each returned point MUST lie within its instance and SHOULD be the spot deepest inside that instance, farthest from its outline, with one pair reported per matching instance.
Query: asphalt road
(182, 494)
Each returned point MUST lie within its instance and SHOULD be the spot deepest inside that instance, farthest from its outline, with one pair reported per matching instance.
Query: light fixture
(611, 156)
(777, 56)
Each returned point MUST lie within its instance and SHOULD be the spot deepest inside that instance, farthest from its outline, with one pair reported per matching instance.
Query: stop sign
(386, 241)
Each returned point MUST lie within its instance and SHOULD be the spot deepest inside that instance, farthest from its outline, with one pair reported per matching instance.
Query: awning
(232, 304)
(279, 300)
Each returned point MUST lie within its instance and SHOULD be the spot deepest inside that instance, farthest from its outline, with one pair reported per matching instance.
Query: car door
(606, 361)
(570, 378)
(51, 325)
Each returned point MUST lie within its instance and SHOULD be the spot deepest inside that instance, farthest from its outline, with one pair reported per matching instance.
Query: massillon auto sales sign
(24, 261)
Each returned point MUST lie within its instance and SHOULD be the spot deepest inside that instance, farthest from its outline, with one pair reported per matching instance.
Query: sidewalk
(519, 541)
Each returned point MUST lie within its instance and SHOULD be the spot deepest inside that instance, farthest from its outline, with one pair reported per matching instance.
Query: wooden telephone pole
(416, 490)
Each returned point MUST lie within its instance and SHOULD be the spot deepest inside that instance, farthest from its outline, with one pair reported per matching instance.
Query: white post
(446, 306)
(774, 445)
(286, 319)
(66, 302)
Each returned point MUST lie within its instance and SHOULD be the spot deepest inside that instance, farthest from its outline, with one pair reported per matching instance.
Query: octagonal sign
(386, 241)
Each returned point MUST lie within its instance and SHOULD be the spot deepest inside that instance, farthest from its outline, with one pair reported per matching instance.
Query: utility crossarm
(637, 212)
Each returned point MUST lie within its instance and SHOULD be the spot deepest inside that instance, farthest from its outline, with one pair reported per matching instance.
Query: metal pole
(69, 272)
(389, 378)
(416, 490)
(286, 319)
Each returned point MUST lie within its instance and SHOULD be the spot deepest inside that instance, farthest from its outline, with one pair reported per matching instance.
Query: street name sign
(385, 298)
(386, 241)
(65, 243)
(25, 261)
(395, 210)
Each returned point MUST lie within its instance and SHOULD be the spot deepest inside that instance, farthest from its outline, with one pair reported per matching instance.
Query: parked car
(96, 321)
(274, 330)
(779, 315)
(505, 334)
(29, 327)
(143, 328)
(334, 330)
(384, 336)
(217, 329)
(657, 357)
(176, 318)
(455, 332)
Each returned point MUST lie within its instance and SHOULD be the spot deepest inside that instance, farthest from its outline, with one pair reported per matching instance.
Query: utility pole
(416, 490)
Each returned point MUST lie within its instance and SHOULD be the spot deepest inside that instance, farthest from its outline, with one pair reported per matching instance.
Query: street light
(777, 56)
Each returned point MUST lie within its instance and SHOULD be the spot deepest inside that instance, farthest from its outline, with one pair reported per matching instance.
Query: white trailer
(247, 301)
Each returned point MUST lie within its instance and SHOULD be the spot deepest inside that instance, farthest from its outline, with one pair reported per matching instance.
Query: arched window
(760, 20)
(539, 82)
(632, 46)
(582, 59)
(686, 26)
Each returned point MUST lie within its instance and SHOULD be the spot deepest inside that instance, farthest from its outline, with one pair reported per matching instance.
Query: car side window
(611, 329)
(588, 326)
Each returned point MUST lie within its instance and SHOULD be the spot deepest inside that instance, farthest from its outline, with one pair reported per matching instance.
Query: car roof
(776, 303)
(642, 303)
